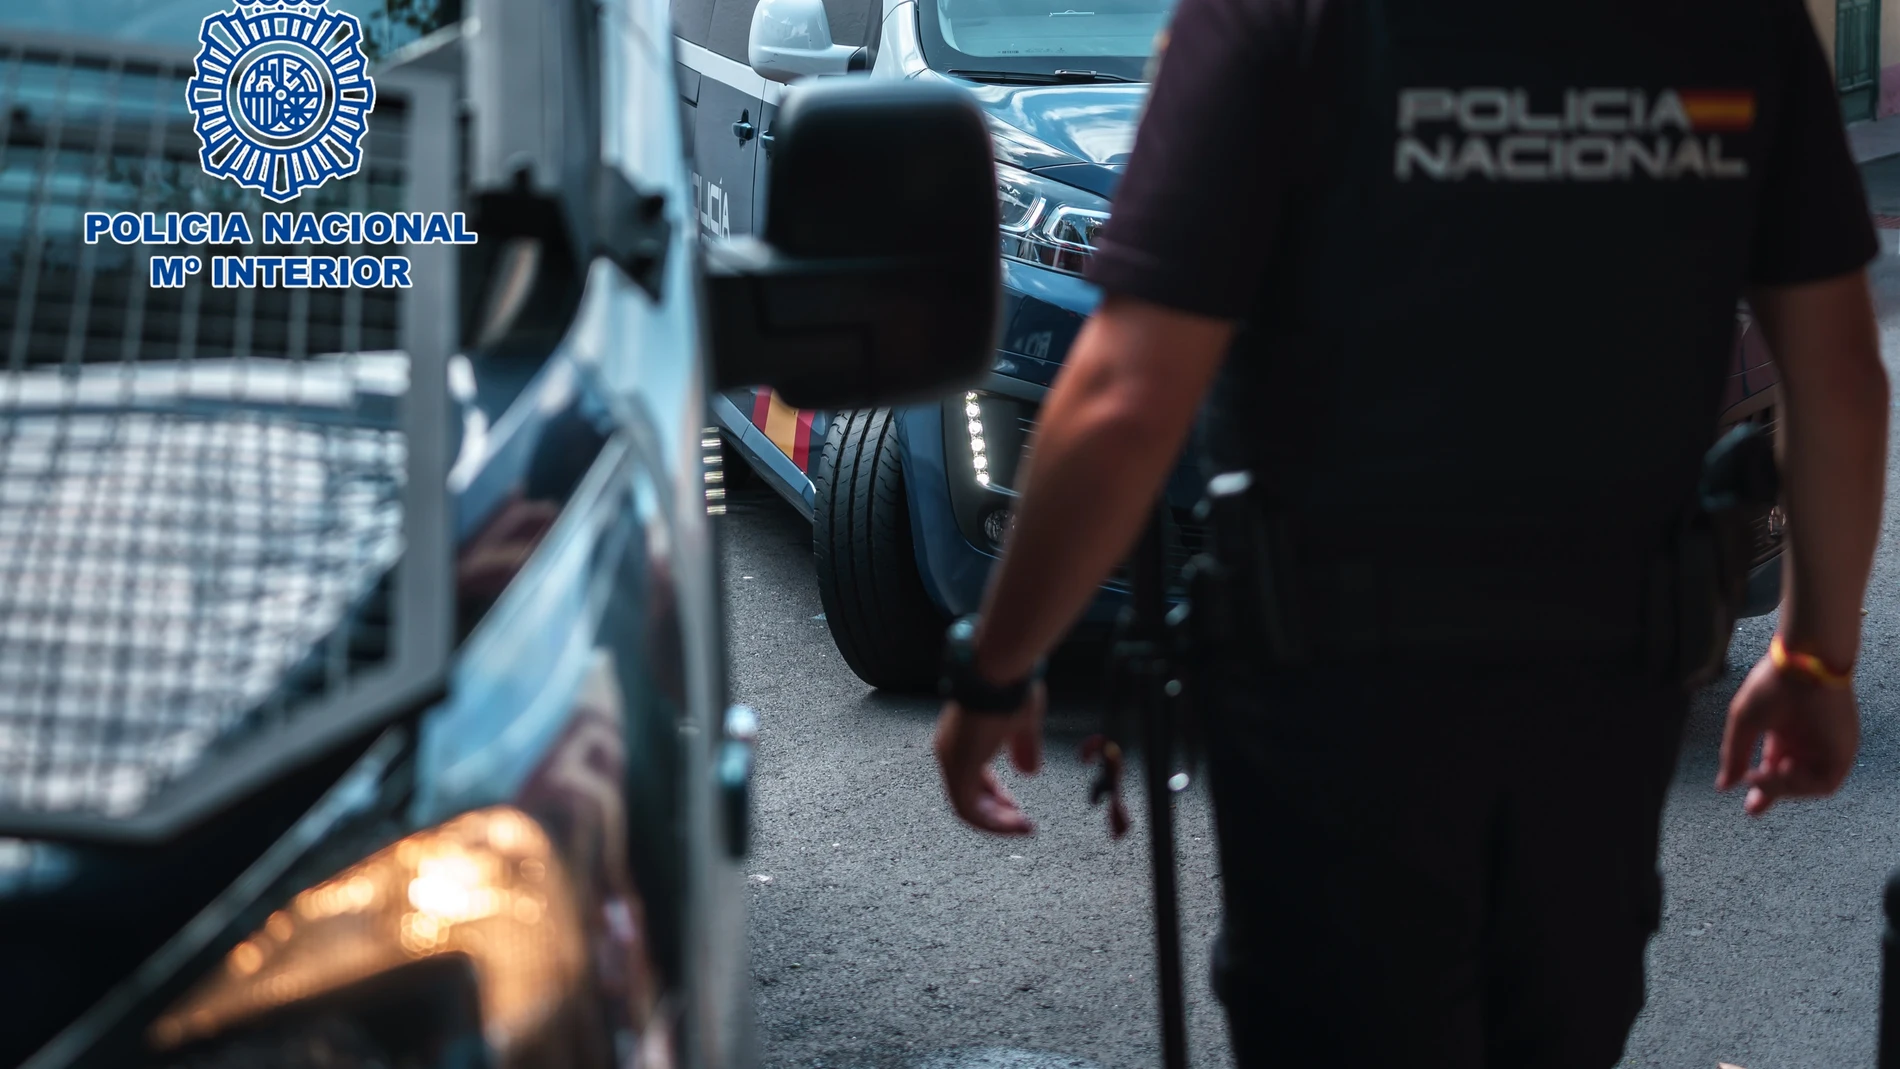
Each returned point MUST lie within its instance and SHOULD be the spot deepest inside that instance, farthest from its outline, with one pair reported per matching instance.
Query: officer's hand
(1809, 735)
(967, 745)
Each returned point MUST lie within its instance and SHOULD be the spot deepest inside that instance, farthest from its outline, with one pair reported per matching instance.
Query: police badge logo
(281, 96)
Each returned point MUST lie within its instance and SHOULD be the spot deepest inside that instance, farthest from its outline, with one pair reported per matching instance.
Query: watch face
(960, 641)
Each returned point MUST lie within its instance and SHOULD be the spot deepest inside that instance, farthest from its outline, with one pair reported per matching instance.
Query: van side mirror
(878, 279)
(790, 39)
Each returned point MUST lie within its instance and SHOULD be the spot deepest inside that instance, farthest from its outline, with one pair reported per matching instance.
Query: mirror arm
(790, 321)
(771, 62)
(832, 315)
(631, 227)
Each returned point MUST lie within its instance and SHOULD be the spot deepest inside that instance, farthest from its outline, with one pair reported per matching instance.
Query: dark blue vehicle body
(1042, 312)
(542, 665)
(1076, 135)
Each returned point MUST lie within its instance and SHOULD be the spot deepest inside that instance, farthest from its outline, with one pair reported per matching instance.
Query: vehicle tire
(885, 625)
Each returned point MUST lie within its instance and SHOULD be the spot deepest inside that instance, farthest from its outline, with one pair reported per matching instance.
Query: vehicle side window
(853, 22)
(731, 23)
(692, 18)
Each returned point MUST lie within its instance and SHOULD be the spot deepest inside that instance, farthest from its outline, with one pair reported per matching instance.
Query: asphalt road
(885, 934)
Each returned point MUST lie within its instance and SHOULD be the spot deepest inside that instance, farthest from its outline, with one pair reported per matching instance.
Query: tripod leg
(1889, 1057)
(1166, 900)
(1158, 735)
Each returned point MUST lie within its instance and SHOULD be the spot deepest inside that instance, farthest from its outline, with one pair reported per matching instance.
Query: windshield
(388, 24)
(1113, 38)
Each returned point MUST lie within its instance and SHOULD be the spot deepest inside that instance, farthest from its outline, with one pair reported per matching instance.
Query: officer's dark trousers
(1437, 870)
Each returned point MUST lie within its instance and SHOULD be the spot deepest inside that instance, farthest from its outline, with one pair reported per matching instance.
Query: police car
(909, 506)
(362, 693)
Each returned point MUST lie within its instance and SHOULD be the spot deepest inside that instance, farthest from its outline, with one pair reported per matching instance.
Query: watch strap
(960, 682)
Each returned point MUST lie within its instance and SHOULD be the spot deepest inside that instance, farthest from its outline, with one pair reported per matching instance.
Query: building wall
(1889, 56)
(1823, 12)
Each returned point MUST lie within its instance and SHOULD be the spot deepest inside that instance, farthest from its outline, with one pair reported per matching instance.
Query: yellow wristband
(1807, 666)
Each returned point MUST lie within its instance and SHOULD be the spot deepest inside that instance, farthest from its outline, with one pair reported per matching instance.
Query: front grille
(1769, 419)
(1182, 538)
(1764, 538)
(1765, 530)
(204, 493)
(1189, 539)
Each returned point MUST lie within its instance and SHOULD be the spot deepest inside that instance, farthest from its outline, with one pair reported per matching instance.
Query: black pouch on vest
(1252, 554)
(1702, 583)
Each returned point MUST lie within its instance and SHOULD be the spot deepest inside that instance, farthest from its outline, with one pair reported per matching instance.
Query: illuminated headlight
(486, 890)
(1047, 223)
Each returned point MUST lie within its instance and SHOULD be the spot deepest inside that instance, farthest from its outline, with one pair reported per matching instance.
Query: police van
(362, 678)
(910, 505)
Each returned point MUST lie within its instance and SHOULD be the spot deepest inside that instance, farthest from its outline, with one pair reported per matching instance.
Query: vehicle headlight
(485, 891)
(1047, 223)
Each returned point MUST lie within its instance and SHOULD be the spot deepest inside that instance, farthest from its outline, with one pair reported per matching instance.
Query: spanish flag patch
(789, 428)
(1719, 109)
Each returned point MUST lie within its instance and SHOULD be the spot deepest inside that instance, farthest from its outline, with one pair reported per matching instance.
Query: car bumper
(954, 570)
(1764, 588)
(1043, 311)
(1755, 395)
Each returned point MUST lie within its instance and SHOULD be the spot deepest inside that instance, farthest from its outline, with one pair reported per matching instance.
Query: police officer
(1459, 279)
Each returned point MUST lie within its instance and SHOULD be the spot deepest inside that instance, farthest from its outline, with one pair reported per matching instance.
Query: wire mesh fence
(202, 489)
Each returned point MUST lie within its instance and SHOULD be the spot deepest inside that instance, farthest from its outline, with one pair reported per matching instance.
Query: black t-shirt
(1488, 253)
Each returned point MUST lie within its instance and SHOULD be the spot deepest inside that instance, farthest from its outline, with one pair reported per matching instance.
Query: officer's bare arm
(1108, 436)
(1833, 455)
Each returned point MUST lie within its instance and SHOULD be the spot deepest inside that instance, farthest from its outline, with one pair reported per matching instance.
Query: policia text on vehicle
(1487, 581)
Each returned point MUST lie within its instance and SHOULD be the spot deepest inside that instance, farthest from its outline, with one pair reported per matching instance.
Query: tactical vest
(1489, 353)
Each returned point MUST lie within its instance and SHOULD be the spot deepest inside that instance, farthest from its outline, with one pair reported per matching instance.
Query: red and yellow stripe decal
(1719, 109)
(789, 428)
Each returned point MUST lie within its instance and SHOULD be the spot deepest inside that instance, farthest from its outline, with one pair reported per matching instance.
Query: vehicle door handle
(765, 142)
(743, 129)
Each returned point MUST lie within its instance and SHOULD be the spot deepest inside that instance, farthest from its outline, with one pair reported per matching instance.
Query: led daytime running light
(979, 458)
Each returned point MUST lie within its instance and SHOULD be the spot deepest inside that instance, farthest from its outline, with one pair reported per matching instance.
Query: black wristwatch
(962, 685)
